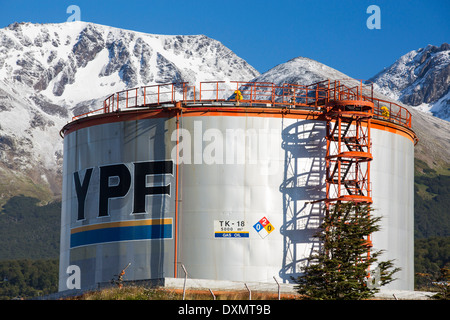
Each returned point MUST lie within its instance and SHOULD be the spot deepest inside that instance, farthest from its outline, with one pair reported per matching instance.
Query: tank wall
(103, 243)
(392, 174)
(235, 175)
(280, 171)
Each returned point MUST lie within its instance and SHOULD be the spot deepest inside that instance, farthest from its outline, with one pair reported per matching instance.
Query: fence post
(136, 100)
(317, 95)
(173, 93)
(217, 91)
(144, 96)
(185, 278)
(273, 95)
(249, 292)
(360, 90)
(278, 286)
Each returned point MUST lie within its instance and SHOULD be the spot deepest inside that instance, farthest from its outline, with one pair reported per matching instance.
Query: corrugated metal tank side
(235, 171)
(392, 175)
(123, 145)
(280, 171)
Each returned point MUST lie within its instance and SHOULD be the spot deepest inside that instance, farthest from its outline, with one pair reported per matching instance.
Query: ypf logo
(115, 181)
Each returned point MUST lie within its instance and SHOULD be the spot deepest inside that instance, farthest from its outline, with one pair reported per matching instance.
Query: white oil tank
(224, 190)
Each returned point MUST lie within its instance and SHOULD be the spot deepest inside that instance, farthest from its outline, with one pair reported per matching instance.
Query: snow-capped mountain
(300, 70)
(420, 78)
(434, 133)
(49, 72)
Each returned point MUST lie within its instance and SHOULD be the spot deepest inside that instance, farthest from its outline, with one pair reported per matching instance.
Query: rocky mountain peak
(434, 133)
(420, 78)
(48, 72)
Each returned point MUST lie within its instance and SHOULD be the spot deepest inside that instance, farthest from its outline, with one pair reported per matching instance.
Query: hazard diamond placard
(263, 227)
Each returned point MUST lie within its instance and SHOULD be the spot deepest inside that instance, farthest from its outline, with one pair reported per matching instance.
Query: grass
(422, 191)
(142, 293)
(128, 293)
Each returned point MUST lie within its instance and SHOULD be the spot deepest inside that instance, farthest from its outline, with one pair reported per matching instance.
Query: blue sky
(267, 33)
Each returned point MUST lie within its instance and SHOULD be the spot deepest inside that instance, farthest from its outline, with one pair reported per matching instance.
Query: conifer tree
(340, 268)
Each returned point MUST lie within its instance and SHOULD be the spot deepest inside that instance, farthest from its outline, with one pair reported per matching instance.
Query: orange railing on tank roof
(267, 94)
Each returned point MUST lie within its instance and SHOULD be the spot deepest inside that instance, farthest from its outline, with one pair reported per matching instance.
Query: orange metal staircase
(348, 151)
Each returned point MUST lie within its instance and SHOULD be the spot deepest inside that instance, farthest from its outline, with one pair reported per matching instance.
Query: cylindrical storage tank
(392, 176)
(238, 206)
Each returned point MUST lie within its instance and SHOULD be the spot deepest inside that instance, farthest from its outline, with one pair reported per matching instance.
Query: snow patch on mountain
(434, 133)
(420, 78)
(50, 72)
(300, 70)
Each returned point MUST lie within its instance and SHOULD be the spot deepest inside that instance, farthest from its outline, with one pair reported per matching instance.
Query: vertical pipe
(371, 91)
(317, 95)
(173, 94)
(185, 279)
(390, 111)
(339, 90)
(339, 159)
(273, 94)
(328, 92)
(360, 90)
(144, 94)
(176, 192)
(217, 91)
(212, 293)
(369, 149)
(327, 160)
(249, 292)
(278, 287)
(335, 89)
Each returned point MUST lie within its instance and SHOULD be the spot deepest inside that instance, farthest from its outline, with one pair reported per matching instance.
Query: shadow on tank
(304, 148)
